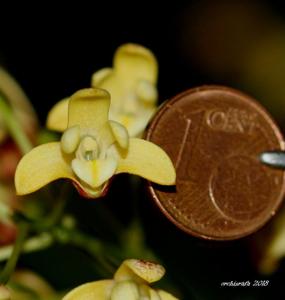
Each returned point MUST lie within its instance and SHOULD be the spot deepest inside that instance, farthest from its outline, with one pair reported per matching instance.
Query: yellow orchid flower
(131, 282)
(92, 150)
(132, 85)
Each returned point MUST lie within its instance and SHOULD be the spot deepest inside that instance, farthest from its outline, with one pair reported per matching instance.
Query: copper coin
(214, 135)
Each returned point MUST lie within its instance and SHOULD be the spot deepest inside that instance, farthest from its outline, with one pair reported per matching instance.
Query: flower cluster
(101, 128)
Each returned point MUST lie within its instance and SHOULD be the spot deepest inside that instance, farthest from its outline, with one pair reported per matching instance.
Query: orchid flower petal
(99, 76)
(111, 83)
(132, 62)
(89, 291)
(40, 166)
(147, 292)
(125, 290)
(70, 139)
(153, 295)
(135, 123)
(166, 296)
(95, 172)
(147, 91)
(58, 116)
(139, 271)
(121, 134)
(147, 160)
(89, 108)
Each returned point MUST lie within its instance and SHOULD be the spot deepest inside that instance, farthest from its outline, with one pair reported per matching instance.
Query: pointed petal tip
(149, 161)
(40, 166)
(171, 178)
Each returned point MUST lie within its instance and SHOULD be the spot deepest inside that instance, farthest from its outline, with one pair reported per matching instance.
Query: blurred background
(52, 51)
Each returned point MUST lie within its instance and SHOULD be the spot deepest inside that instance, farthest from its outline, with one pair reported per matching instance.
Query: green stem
(12, 253)
(14, 127)
(36, 243)
(115, 227)
(54, 217)
(11, 263)
(93, 247)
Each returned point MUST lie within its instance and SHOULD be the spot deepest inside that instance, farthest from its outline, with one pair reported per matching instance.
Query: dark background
(52, 50)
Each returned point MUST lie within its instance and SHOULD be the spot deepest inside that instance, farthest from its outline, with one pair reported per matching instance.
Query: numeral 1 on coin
(184, 155)
(185, 136)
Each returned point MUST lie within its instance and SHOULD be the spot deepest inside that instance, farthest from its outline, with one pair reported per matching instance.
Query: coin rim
(249, 101)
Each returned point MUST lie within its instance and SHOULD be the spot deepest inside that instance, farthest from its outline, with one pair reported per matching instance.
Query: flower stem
(44, 240)
(11, 263)
(35, 243)
(57, 213)
(14, 127)
(95, 248)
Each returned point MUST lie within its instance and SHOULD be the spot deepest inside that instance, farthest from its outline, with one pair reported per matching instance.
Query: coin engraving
(182, 147)
(214, 136)
(231, 120)
(189, 140)
(233, 180)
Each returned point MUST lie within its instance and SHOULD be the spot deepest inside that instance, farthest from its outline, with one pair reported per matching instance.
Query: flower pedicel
(92, 150)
